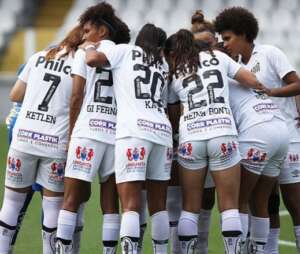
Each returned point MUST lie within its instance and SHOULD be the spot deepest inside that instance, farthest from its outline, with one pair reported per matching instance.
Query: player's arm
(291, 87)
(248, 79)
(94, 58)
(17, 93)
(76, 100)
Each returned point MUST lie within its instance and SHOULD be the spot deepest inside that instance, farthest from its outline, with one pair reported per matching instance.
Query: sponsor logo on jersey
(148, 125)
(293, 157)
(84, 154)
(228, 148)
(256, 155)
(99, 123)
(209, 123)
(27, 134)
(136, 154)
(185, 149)
(14, 164)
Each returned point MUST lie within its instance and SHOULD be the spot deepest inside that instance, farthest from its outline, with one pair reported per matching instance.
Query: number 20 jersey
(139, 90)
(205, 98)
(42, 125)
(97, 118)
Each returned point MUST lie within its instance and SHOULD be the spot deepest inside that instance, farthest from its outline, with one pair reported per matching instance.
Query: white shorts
(139, 159)
(23, 170)
(87, 157)
(263, 147)
(290, 171)
(217, 153)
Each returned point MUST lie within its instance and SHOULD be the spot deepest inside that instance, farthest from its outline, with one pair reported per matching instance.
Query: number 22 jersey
(42, 125)
(205, 98)
(139, 89)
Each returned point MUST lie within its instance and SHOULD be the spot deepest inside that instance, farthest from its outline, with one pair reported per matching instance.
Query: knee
(72, 202)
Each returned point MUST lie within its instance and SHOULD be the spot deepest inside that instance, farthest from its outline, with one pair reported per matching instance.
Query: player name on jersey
(54, 65)
(40, 117)
(101, 109)
(211, 111)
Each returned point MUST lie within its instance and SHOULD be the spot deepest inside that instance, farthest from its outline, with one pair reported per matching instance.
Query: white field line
(282, 242)
(287, 243)
(284, 213)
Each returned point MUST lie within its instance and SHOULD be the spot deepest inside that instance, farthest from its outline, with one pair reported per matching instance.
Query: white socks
(203, 231)
(110, 232)
(174, 206)
(130, 232)
(272, 245)
(12, 204)
(160, 232)
(66, 226)
(231, 230)
(51, 207)
(188, 231)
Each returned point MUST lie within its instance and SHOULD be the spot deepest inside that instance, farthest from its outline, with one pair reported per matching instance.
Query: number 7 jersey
(42, 125)
(205, 98)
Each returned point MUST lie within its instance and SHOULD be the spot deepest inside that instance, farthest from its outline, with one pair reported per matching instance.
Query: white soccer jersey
(205, 99)
(42, 125)
(139, 90)
(97, 118)
(249, 107)
(270, 65)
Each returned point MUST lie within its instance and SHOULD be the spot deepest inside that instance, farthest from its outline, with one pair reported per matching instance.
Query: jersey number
(199, 87)
(104, 80)
(55, 82)
(157, 82)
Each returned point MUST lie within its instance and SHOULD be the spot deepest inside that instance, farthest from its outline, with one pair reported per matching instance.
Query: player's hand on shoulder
(89, 44)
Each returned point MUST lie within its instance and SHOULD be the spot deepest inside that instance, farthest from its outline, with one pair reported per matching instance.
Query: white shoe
(61, 248)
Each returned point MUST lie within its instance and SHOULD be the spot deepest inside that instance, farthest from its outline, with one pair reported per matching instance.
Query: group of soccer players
(164, 124)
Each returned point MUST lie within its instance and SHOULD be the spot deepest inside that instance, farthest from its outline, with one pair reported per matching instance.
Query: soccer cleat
(232, 245)
(188, 244)
(61, 248)
(129, 245)
(256, 248)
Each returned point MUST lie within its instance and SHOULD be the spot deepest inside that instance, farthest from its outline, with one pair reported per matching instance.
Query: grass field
(29, 240)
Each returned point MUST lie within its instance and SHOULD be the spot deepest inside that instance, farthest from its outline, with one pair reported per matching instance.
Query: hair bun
(198, 17)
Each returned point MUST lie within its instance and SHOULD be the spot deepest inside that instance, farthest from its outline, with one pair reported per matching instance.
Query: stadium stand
(278, 19)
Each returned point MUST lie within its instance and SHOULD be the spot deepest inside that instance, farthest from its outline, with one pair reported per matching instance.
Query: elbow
(92, 62)
(14, 97)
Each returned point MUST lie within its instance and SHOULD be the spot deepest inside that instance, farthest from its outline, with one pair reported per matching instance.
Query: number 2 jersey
(139, 89)
(42, 125)
(97, 118)
(205, 98)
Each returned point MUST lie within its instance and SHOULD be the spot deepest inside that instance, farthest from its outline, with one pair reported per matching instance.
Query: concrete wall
(6, 83)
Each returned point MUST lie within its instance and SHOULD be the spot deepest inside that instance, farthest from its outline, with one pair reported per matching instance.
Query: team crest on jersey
(14, 164)
(293, 157)
(229, 148)
(57, 172)
(185, 149)
(84, 154)
(256, 155)
(136, 154)
(296, 173)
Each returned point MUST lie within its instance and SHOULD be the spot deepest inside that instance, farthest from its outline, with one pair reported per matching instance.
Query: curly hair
(102, 14)
(200, 24)
(122, 32)
(238, 20)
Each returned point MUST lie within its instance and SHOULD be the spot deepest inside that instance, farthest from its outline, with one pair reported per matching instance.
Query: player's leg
(225, 169)
(131, 156)
(143, 218)
(20, 175)
(158, 176)
(174, 207)
(289, 180)
(208, 201)
(192, 157)
(272, 245)
(84, 157)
